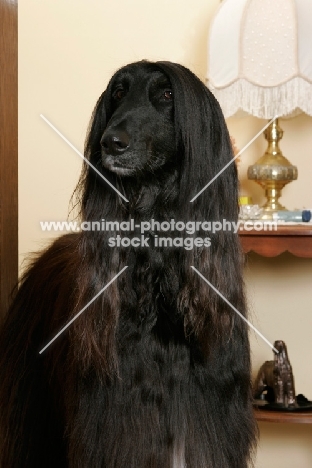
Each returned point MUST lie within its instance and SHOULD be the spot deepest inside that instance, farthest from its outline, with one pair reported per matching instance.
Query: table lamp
(260, 63)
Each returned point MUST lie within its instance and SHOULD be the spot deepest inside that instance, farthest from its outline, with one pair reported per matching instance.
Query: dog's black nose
(115, 142)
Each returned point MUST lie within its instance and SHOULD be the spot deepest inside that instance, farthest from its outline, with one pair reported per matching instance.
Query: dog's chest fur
(151, 406)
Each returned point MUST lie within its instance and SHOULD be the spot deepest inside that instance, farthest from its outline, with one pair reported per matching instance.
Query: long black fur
(156, 372)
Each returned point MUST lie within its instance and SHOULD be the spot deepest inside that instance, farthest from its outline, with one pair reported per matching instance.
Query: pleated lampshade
(260, 57)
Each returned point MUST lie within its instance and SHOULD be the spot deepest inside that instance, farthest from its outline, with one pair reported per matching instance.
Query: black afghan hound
(155, 373)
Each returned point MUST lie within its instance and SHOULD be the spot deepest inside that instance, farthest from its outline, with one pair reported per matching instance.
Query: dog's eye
(168, 95)
(119, 94)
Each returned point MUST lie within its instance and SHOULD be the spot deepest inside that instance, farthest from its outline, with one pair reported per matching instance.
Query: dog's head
(135, 118)
(159, 122)
(139, 136)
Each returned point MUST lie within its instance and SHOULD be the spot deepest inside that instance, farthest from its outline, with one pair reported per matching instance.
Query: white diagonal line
(237, 311)
(83, 309)
(82, 156)
(232, 160)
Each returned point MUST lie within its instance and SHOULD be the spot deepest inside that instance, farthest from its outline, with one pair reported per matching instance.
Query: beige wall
(68, 49)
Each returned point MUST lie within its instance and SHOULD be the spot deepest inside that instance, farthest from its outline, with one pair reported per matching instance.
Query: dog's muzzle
(114, 144)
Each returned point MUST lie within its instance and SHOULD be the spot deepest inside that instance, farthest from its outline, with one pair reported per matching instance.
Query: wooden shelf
(299, 417)
(294, 239)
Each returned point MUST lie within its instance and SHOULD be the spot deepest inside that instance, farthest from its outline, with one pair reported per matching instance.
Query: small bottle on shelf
(293, 216)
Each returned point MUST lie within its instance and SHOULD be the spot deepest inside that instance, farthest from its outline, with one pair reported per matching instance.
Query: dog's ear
(97, 125)
(205, 146)
(90, 184)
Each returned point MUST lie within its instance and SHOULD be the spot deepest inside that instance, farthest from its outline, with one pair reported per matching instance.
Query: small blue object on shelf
(293, 216)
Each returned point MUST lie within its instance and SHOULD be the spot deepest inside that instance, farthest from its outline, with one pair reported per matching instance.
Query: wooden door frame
(8, 153)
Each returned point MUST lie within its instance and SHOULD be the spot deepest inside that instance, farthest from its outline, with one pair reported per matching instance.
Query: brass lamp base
(272, 171)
